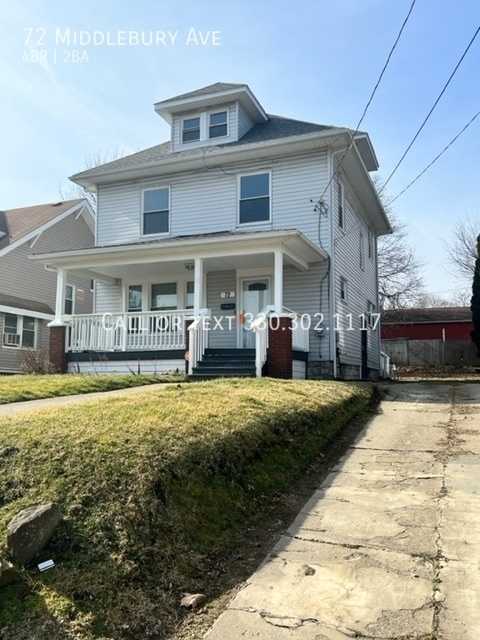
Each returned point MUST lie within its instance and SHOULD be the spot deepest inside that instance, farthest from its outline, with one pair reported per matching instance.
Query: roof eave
(262, 150)
(243, 94)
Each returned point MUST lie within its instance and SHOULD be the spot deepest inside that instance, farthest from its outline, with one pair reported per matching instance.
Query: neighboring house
(27, 289)
(429, 337)
(240, 213)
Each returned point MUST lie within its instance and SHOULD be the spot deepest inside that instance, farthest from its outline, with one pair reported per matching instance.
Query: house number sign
(227, 294)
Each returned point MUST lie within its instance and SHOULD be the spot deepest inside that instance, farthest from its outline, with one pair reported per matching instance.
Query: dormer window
(218, 125)
(191, 130)
(207, 125)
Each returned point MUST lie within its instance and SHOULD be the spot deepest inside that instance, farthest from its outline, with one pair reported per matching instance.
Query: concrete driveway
(388, 547)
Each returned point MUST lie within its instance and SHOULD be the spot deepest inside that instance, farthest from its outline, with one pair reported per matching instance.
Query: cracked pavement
(388, 546)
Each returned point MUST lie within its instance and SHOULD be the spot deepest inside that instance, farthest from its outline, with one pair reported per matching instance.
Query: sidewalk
(62, 401)
(388, 547)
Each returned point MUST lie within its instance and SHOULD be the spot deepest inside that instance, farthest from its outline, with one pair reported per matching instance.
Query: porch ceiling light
(189, 266)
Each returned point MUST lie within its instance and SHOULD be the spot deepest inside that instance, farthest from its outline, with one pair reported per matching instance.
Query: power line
(430, 112)
(369, 100)
(436, 158)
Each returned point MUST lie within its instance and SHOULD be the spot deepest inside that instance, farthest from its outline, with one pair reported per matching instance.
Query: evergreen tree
(475, 305)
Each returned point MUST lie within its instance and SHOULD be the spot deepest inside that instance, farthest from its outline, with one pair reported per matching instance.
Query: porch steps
(225, 363)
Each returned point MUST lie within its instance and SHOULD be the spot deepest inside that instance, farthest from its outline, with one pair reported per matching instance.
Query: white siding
(362, 286)
(218, 281)
(129, 367)
(306, 292)
(108, 298)
(245, 123)
(205, 142)
(207, 201)
(299, 370)
(297, 184)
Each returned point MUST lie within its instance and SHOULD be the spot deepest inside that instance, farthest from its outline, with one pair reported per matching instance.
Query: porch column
(60, 298)
(198, 286)
(278, 282)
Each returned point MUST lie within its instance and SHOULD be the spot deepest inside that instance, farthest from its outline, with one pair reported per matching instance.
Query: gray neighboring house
(28, 289)
(240, 215)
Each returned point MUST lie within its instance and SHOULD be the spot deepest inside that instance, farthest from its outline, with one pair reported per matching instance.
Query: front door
(255, 296)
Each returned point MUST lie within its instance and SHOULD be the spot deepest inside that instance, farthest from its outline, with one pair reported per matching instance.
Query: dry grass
(157, 492)
(33, 387)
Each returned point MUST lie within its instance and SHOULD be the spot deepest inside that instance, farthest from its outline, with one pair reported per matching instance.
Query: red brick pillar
(280, 347)
(58, 356)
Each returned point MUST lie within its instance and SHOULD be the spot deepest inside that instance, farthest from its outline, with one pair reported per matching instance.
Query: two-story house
(27, 289)
(260, 229)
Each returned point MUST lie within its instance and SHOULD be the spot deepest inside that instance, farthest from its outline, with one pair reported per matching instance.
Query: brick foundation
(57, 349)
(280, 348)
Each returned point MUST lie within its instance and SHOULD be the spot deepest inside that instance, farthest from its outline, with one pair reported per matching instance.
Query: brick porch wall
(280, 349)
(57, 349)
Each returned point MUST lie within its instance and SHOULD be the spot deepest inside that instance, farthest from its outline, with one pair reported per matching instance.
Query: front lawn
(158, 491)
(35, 386)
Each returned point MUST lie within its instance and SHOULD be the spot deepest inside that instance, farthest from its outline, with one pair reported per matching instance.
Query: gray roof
(205, 91)
(275, 128)
(16, 223)
(421, 316)
(24, 303)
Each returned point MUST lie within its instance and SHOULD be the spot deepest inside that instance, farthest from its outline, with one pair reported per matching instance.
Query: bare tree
(399, 267)
(430, 300)
(462, 248)
(73, 191)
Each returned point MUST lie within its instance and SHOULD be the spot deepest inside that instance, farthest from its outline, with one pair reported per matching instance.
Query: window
(370, 244)
(164, 296)
(362, 257)
(343, 289)
(254, 198)
(190, 292)
(156, 211)
(69, 297)
(371, 314)
(218, 125)
(191, 130)
(341, 204)
(19, 331)
(135, 298)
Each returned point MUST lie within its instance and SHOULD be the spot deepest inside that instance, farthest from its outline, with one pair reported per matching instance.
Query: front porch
(171, 300)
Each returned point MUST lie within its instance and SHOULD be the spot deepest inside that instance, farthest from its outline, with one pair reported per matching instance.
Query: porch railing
(199, 331)
(153, 330)
(300, 329)
(259, 327)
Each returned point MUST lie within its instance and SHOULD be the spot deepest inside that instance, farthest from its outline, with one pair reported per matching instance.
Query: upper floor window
(19, 331)
(341, 206)
(370, 244)
(218, 125)
(156, 211)
(362, 257)
(191, 129)
(254, 198)
(343, 289)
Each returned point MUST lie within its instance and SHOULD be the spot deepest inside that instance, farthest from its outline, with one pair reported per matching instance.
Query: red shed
(440, 323)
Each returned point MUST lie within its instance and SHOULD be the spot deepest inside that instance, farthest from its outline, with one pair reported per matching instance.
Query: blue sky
(316, 61)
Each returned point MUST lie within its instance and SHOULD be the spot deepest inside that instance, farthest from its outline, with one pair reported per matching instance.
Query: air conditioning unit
(11, 340)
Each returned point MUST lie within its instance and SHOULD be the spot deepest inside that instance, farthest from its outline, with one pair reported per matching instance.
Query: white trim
(19, 332)
(215, 112)
(45, 226)
(142, 212)
(17, 311)
(239, 191)
(331, 288)
(240, 281)
(241, 244)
